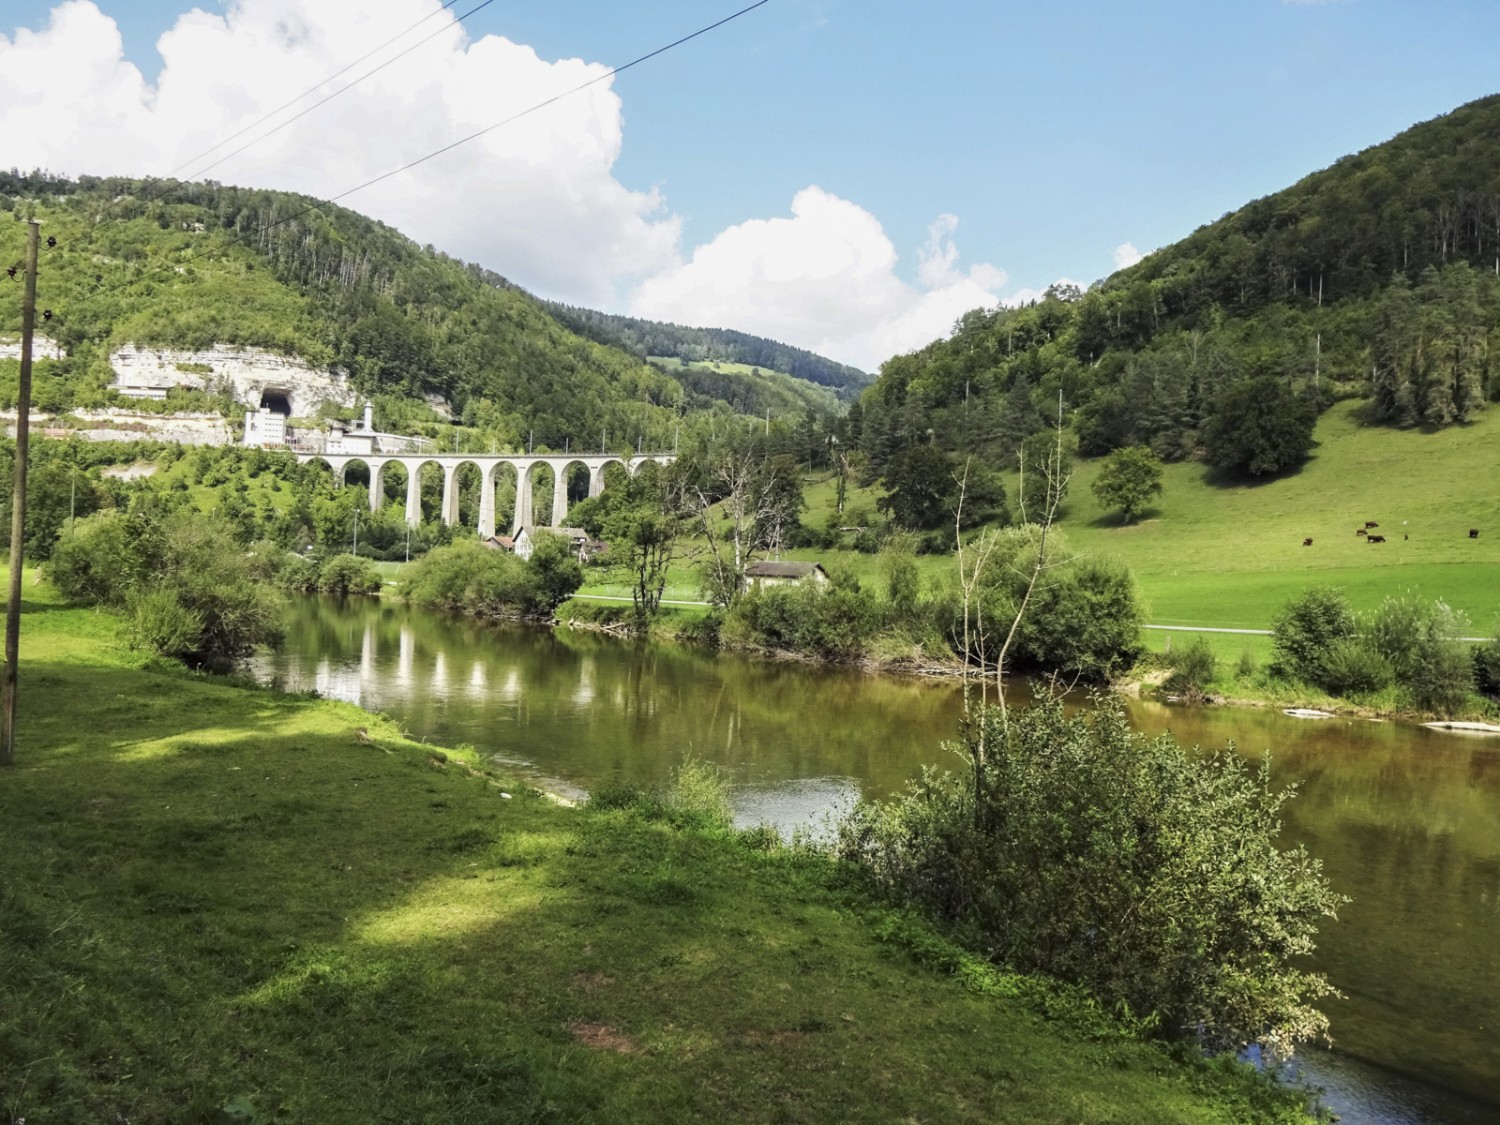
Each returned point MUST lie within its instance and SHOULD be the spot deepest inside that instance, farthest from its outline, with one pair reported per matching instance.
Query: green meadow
(1230, 555)
(222, 904)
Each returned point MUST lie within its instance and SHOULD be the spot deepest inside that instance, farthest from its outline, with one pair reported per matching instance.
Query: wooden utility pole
(18, 507)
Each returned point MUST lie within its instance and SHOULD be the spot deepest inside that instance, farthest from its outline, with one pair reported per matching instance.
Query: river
(1405, 820)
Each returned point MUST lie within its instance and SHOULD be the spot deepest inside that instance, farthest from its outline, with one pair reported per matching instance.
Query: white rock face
(127, 425)
(250, 371)
(41, 347)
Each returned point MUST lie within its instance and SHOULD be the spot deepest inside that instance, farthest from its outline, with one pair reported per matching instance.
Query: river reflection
(1406, 821)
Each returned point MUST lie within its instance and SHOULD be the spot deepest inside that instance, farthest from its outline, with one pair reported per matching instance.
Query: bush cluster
(835, 621)
(1407, 642)
(1149, 875)
(468, 577)
(188, 589)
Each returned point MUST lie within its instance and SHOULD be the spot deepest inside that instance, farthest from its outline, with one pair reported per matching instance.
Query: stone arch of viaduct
(489, 465)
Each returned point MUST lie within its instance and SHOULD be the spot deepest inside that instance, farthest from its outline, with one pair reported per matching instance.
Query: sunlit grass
(224, 904)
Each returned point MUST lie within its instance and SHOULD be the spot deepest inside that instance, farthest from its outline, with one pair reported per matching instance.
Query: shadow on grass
(232, 905)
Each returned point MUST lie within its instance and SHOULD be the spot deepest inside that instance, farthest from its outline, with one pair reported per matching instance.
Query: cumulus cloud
(536, 200)
(824, 278)
(1126, 255)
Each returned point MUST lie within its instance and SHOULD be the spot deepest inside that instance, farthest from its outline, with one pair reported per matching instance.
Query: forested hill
(1378, 278)
(651, 338)
(190, 265)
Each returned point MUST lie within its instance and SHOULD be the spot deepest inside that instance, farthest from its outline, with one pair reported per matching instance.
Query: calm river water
(1406, 820)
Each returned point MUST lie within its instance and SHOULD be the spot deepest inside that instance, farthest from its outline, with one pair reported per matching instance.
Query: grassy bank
(221, 904)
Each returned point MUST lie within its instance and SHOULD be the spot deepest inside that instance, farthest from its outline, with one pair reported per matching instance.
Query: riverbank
(224, 904)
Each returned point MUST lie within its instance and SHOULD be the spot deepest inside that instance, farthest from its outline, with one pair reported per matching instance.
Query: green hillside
(192, 265)
(1230, 555)
(712, 346)
(1377, 279)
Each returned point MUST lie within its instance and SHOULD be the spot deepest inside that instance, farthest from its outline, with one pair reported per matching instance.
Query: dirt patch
(602, 1037)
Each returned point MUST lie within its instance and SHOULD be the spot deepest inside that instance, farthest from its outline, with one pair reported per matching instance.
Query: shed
(784, 574)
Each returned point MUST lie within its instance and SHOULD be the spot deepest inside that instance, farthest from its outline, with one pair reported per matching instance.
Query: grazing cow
(1375, 539)
(1360, 531)
(1307, 542)
(1370, 523)
(1473, 533)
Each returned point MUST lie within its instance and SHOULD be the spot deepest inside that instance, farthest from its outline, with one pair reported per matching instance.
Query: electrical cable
(608, 74)
(341, 90)
(170, 178)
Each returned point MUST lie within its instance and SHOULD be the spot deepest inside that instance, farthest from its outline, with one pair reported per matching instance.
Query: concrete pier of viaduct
(489, 466)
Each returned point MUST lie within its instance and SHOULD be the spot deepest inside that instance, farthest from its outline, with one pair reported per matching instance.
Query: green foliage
(467, 577)
(1193, 668)
(1306, 630)
(834, 621)
(1487, 667)
(925, 488)
(347, 574)
(185, 583)
(1261, 427)
(1351, 666)
(1151, 876)
(1420, 641)
(709, 347)
(1083, 619)
(1129, 479)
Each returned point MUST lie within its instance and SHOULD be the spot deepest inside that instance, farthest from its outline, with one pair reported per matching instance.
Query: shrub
(1151, 876)
(1487, 667)
(1351, 665)
(348, 574)
(1305, 630)
(184, 581)
(1421, 642)
(1193, 667)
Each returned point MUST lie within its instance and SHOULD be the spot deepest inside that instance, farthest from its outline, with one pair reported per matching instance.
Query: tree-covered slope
(192, 265)
(651, 338)
(1377, 278)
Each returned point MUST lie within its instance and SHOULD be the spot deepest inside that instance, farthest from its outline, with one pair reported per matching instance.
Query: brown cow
(1360, 531)
(1307, 542)
(1371, 523)
(1376, 539)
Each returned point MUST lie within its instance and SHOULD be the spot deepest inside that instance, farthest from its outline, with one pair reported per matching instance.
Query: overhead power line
(604, 77)
(147, 196)
(326, 99)
(319, 85)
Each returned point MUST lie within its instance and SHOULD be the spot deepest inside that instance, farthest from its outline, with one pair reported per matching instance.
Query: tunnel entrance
(277, 401)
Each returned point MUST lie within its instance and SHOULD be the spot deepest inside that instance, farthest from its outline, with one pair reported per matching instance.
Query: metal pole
(18, 507)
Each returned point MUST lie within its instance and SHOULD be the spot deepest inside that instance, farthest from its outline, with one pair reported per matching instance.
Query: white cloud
(825, 279)
(1126, 255)
(535, 200)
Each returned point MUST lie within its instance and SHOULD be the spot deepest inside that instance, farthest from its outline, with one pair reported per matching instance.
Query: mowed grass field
(1231, 555)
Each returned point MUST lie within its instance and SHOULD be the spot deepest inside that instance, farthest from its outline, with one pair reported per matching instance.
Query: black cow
(1376, 539)
(1371, 523)
(1473, 533)
(1307, 542)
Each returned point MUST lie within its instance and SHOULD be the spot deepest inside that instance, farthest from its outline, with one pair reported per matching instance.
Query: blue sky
(1054, 134)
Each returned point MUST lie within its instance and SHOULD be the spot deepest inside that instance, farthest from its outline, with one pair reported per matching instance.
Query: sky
(848, 176)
